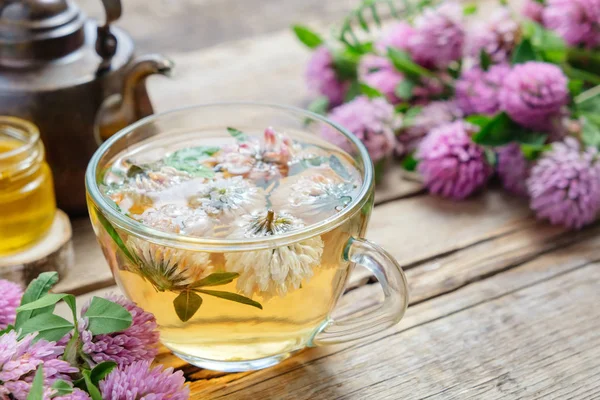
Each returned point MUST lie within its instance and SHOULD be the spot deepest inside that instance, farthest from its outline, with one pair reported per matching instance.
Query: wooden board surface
(502, 306)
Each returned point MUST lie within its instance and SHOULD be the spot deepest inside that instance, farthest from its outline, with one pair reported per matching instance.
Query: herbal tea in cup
(237, 227)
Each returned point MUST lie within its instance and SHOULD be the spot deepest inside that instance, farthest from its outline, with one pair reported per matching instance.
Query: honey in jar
(27, 204)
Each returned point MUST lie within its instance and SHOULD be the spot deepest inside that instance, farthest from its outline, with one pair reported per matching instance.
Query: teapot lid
(33, 31)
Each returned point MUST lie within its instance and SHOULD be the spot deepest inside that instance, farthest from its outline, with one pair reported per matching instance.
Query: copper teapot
(75, 78)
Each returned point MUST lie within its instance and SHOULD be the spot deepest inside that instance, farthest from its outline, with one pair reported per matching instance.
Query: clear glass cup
(225, 335)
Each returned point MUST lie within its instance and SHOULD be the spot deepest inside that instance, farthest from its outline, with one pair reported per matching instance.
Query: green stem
(582, 55)
(576, 73)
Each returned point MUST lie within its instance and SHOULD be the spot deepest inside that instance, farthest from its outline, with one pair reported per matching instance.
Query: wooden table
(501, 306)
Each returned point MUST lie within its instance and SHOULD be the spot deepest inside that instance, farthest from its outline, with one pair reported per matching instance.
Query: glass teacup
(206, 317)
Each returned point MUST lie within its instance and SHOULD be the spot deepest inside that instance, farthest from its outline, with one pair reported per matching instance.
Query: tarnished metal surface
(57, 72)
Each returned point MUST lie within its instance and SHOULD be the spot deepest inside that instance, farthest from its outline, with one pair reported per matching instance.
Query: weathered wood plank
(349, 370)
(184, 25)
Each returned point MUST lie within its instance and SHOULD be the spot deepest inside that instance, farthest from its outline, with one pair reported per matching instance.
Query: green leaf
(336, 165)
(410, 115)
(134, 170)
(216, 279)
(369, 91)
(186, 305)
(524, 53)
(375, 15)
(320, 105)
(363, 22)
(499, 131)
(485, 60)
(36, 289)
(590, 133)
(193, 153)
(547, 43)
(7, 329)
(353, 92)
(37, 386)
(188, 160)
(469, 9)
(490, 156)
(237, 134)
(61, 388)
(309, 38)
(575, 73)
(193, 168)
(379, 170)
(92, 389)
(404, 63)
(231, 297)
(101, 371)
(49, 326)
(575, 87)
(48, 300)
(404, 90)
(70, 354)
(112, 232)
(410, 163)
(532, 138)
(104, 316)
(532, 152)
(346, 64)
(589, 101)
(479, 120)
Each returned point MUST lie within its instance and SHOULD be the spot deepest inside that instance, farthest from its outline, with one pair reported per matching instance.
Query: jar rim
(207, 244)
(29, 132)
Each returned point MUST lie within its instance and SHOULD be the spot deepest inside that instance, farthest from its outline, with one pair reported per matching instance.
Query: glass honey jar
(27, 202)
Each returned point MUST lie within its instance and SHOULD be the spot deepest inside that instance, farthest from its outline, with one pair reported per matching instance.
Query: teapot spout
(133, 103)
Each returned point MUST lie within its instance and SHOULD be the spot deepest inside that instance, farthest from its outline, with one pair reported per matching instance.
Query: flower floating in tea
(315, 195)
(177, 219)
(228, 197)
(274, 271)
(145, 179)
(256, 159)
(167, 268)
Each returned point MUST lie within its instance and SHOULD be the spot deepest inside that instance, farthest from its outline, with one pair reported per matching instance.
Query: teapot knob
(106, 42)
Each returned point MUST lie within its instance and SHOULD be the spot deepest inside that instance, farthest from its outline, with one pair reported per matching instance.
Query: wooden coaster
(53, 252)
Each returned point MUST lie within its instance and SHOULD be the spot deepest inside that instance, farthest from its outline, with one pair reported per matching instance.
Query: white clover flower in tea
(233, 304)
(273, 271)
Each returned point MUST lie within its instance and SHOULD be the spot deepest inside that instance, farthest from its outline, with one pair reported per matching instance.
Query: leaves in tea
(237, 134)
(231, 297)
(216, 279)
(186, 305)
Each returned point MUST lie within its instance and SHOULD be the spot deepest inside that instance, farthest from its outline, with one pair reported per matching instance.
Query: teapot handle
(106, 41)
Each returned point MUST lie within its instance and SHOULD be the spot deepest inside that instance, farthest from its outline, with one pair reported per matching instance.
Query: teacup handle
(395, 289)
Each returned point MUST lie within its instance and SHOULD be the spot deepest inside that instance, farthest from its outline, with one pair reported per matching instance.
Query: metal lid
(37, 31)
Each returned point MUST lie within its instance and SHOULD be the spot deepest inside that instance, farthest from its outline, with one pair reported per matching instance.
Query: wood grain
(187, 25)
